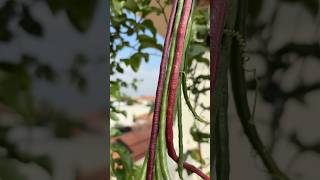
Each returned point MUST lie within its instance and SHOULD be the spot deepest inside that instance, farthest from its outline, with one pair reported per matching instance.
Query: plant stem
(162, 9)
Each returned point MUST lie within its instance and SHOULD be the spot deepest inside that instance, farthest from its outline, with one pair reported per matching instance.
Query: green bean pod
(179, 111)
(162, 127)
(219, 82)
(143, 171)
(187, 100)
(179, 100)
(157, 168)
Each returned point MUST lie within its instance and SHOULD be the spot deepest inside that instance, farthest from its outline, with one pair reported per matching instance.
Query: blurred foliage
(196, 155)
(278, 63)
(121, 162)
(17, 78)
(8, 170)
(128, 20)
(198, 135)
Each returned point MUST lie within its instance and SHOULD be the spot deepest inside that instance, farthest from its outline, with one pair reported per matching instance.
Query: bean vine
(167, 104)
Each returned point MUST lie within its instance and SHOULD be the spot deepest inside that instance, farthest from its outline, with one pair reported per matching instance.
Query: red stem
(218, 9)
(156, 114)
(173, 85)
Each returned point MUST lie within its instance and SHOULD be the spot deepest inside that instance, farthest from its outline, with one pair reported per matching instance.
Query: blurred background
(53, 89)
(283, 47)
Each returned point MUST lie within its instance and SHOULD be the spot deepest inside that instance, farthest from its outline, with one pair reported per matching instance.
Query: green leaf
(55, 5)
(114, 116)
(202, 60)
(77, 77)
(119, 69)
(7, 11)
(29, 24)
(131, 5)
(254, 8)
(144, 38)
(149, 24)
(15, 88)
(134, 61)
(117, 6)
(311, 5)
(9, 170)
(5, 34)
(46, 72)
(122, 165)
(44, 162)
(136, 172)
(197, 49)
(146, 45)
(79, 60)
(148, 42)
(114, 132)
(195, 154)
(198, 135)
(115, 90)
(150, 9)
(80, 13)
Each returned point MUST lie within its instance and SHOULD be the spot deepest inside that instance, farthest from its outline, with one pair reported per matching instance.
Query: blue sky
(148, 72)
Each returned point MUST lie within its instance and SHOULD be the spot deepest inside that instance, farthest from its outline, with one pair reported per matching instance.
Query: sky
(148, 72)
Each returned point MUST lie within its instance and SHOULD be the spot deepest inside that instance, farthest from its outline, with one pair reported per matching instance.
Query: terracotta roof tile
(145, 98)
(136, 140)
(144, 117)
(139, 150)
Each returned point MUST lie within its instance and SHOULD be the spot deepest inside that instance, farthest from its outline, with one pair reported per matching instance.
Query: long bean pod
(180, 131)
(173, 85)
(162, 128)
(143, 171)
(221, 131)
(217, 18)
(159, 92)
(217, 23)
(158, 169)
(219, 81)
(183, 68)
(187, 100)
